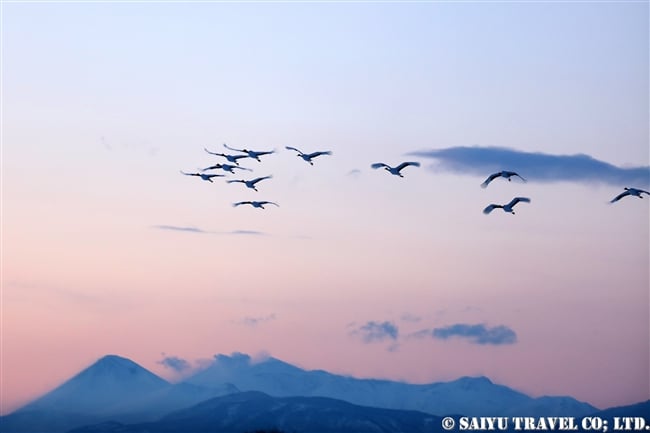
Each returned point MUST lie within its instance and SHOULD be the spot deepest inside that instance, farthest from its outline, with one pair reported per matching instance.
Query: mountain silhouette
(113, 388)
(252, 410)
(477, 396)
(117, 395)
(104, 387)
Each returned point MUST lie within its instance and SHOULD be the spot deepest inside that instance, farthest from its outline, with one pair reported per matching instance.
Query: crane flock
(249, 183)
(395, 171)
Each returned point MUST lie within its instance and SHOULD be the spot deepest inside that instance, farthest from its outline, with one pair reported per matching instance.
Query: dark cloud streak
(535, 166)
(477, 334)
(247, 232)
(179, 229)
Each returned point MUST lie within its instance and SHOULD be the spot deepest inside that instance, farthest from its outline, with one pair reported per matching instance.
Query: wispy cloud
(477, 334)
(254, 321)
(175, 363)
(535, 166)
(191, 229)
(373, 332)
(180, 229)
(247, 232)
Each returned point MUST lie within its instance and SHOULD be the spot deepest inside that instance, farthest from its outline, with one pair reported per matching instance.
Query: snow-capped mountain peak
(466, 395)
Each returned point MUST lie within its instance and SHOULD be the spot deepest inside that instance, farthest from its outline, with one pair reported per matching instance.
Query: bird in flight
(257, 204)
(203, 176)
(395, 170)
(230, 158)
(308, 156)
(250, 153)
(506, 207)
(505, 174)
(227, 167)
(629, 191)
(250, 183)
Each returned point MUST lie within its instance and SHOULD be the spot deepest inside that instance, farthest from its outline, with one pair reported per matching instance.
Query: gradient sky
(106, 248)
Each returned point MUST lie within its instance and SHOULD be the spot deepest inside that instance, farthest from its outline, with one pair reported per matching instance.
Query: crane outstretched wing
(232, 148)
(406, 164)
(268, 152)
(293, 148)
(315, 154)
(516, 200)
(213, 153)
(379, 165)
(620, 196)
(512, 173)
(490, 208)
(259, 179)
(490, 179)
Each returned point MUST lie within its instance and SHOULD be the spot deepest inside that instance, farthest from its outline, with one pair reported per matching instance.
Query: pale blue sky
(533, 76)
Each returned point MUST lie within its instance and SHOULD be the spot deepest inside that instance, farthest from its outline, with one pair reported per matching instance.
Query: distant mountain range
(476, 396)
(235, 394)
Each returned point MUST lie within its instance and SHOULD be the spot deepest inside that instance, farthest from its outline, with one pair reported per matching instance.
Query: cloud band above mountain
(536, 166)
(175, 363)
